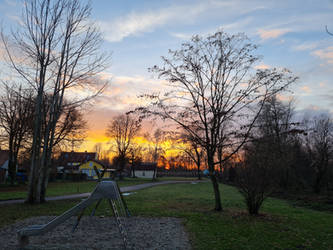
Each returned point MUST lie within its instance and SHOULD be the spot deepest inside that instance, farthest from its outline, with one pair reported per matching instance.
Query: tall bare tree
(122, 129)
(212, 82)
(58, 48)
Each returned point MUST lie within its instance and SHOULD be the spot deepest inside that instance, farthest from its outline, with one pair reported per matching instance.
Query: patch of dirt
(101, 233)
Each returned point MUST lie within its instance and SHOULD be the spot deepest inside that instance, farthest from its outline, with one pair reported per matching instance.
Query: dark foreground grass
(280, 226)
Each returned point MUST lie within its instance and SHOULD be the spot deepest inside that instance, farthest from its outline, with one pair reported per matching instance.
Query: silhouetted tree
(276, 129)
(319, 144)
(212, 82)
(135, 156)
(16, 113)
(255, 176)
(193, 150)
(122, 129)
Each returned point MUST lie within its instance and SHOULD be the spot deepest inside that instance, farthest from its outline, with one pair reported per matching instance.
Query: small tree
(211, 84)
(255, 179)
(135, 157)
(122, 129)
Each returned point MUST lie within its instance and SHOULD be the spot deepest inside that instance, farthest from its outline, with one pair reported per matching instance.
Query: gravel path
(102, 233)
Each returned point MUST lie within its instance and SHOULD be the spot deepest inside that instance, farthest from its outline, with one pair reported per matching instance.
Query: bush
(255, 183)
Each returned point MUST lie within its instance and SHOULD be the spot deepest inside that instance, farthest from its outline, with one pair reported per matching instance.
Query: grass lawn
(280, 226)
(62, 188)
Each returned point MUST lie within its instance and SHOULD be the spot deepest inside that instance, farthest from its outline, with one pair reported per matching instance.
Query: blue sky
(290, 34)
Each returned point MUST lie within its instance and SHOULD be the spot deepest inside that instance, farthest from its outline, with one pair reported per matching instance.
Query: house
(4, 157)
(88, 169)
(146, 170)
(69, 162)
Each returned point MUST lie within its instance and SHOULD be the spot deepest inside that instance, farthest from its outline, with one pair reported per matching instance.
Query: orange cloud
(273, 33)
(306, 89)
(322, 84)
(284, 98)
(262, 66)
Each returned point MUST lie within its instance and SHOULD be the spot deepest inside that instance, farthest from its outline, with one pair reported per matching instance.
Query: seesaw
(104, 190)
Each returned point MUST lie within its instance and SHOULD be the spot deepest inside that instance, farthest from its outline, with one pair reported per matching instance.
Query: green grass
(280, 226)
(62, 188)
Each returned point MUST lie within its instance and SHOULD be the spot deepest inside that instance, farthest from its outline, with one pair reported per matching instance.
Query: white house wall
(144, 174)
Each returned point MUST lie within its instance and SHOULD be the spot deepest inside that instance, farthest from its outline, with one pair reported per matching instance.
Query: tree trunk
(11, 164)
(318, 182)
(133, 172)
(218, 204)
(199, 176)
(35, 154)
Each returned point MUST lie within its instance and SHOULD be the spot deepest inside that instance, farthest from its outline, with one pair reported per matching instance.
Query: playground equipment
(104, 190)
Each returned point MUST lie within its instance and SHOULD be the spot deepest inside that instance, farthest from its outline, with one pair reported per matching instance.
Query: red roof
(77, 157)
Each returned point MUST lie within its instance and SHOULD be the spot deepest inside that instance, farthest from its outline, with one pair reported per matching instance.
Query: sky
(290, 34)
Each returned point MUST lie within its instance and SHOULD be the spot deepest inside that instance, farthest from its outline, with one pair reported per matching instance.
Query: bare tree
(71, 129)
(122, 129)
(319, 143)
(98, 149)
(58, 50)
(275, 128)
(135, 156)
(193, 150)
(16, 112)
(211, 82)
(157, 140)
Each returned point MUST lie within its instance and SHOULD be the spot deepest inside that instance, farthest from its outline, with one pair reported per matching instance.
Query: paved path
(84, 195)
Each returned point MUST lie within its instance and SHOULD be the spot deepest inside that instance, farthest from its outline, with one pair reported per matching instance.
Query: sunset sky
(290, 34)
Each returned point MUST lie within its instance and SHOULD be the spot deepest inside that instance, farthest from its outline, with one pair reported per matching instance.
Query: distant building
(146, 170)
(70, 161)
(88, 169)
(4, 157)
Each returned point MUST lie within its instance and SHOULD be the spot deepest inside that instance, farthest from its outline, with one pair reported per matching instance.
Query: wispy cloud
(138, 23)
(239, 24)
(272, 33)
(325, 54)
(182, 36)
(11, 2)
(121, 94)
(306, 46)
